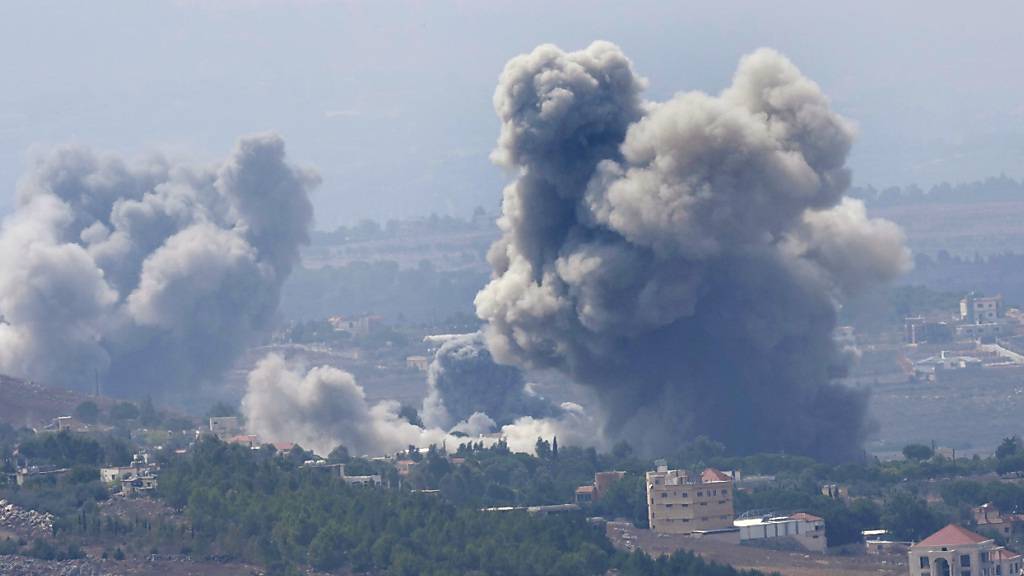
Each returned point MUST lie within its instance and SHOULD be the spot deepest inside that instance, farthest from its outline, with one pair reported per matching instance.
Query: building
(918, 330)
(881, 542)
(421, 363)
(362, 326)
(987, 331)
(956, 551)
(225, 426)
(603, 481)
(584, 494)
(990, 517)
(137, 485)
(979, 310)
(805, 529)
(678, 504)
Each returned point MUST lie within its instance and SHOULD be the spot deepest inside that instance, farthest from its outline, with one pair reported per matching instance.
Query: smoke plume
(463, 380)
(152, 275)
(684, 259)
(323, 407)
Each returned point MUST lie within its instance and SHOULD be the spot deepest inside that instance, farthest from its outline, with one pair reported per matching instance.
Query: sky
(391, 101)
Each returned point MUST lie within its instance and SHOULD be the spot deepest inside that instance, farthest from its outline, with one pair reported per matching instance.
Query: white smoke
(323, 407)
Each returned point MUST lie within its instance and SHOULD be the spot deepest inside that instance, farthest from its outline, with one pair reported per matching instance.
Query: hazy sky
(391, 101)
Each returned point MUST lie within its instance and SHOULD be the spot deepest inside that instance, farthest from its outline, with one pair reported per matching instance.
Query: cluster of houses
(982, 334)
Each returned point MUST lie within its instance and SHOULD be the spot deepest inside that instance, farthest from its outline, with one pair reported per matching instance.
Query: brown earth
(25, 403)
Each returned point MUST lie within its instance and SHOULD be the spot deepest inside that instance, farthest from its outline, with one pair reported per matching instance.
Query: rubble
(23, 522)
(23, 566)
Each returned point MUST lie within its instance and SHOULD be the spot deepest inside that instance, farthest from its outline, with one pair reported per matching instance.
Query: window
(965, 572)
(725, 492)
(685, 495)
(965, 560)
(699, 494)
(924, 562)
(664, 494)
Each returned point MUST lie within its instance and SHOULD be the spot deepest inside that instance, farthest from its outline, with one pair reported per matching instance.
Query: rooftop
(713, 475)
(953, 535)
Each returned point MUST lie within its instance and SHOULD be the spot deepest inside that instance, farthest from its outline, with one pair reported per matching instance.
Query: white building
(956, 551)
(806, 529)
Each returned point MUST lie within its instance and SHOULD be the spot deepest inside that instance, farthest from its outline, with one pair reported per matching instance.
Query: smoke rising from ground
(685, 258)
(323, 407)
(152, 274)
(464, 380)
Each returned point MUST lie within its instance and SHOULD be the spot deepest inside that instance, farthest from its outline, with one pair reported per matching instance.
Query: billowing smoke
(684, 259)
(323, 407)
(464, 380)
(152, 275)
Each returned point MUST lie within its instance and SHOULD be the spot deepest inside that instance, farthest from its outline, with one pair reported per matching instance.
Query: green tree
(87, 412)
(1008, 447)
(918, 452)
(908, 517)
(124, 411)
(327, 549)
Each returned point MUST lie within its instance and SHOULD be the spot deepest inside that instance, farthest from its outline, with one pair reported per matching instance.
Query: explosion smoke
(683, 259)
(323, 407)
(464, 380)
(153, 274)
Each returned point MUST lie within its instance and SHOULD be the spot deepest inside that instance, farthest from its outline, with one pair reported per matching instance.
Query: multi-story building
(679, 504)
(956, 551)
(980, 310)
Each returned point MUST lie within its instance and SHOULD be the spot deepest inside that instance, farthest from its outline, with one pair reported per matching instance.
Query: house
(978, 309)
(584, 494)
(881, 542)
(421, 363)
(956, 551)
(806, 529)
(138, 485)
(404, 467)
(225, 426)
(989, 517)
(250, 440)
(679, 504)
(603, 481)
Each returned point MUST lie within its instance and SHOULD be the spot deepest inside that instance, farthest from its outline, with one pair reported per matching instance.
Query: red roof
(712, 475)
(1004, 555)
(587, 489)
(953, 535)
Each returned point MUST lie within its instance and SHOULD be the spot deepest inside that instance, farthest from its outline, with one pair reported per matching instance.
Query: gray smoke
(323, 407)
(464, 381)
(685, 258)
(153, 274)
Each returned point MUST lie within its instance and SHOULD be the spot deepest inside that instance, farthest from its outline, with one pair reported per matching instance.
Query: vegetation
(250, 505)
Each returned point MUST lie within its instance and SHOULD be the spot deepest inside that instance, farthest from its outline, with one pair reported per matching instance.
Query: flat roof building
(678, 504)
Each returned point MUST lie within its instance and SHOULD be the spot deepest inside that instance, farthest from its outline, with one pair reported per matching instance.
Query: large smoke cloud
(323, 407)
(153, 275)
(685, 258)
(464, 380)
